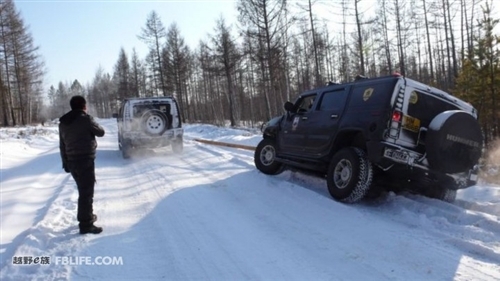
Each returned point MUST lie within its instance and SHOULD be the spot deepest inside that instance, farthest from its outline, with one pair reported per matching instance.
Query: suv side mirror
(115, 115)
(288, 106)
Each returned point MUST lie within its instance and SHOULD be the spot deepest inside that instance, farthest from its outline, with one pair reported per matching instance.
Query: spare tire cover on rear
(154, 122)
(454, 142)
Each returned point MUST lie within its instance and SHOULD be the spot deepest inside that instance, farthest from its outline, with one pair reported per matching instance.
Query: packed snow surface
(209, 214)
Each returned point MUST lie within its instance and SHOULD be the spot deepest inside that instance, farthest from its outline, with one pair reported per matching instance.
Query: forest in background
(244, 73)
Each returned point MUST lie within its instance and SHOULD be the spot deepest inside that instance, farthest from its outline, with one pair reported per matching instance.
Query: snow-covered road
(208, 214)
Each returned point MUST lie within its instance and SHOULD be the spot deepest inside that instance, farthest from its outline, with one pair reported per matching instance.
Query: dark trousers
(84, 174)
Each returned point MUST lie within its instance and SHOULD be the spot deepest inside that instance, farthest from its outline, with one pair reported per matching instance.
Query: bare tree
(227, 56)
(262, 18)
(152, 34)
(176, 56)
(22, 68)
(122, 76)
(7, 9)
(360, 38)
(428, 36)
(101, 95)
(136, 72)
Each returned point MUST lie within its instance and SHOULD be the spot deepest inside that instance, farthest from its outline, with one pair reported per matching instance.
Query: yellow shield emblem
(413, 97)
(367, 94)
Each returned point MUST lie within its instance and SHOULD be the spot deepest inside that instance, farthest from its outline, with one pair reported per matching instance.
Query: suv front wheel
(349, 175)
(265, 158)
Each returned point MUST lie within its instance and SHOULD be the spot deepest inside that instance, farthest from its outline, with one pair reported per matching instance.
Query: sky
(76, 37)
(209, 214)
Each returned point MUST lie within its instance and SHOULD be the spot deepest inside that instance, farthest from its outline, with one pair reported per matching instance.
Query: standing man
(77, 132)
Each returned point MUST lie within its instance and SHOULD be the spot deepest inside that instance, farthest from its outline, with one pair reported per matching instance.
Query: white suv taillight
(126, 118)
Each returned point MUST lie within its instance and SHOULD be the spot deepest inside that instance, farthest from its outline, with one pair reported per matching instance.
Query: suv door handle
(304, 118)
(334, 116)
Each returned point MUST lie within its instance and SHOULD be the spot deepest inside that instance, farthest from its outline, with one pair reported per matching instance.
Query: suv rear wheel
(177, 145)
(445, 190)
(265, 158)
(349, 175)
(447, 195)
(126, 150)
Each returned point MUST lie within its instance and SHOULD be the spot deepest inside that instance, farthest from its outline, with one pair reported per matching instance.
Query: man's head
(78, 103)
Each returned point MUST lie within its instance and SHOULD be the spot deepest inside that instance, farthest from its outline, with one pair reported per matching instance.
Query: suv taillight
(395, 124)
(397, 116)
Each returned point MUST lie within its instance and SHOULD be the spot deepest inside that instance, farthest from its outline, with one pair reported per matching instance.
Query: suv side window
(305, 103)
(333, 100)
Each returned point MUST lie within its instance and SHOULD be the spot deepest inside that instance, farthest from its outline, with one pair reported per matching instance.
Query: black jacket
(77, 132)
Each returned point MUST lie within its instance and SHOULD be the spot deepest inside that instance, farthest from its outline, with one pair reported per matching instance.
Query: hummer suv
(149, 123)
(376, 134)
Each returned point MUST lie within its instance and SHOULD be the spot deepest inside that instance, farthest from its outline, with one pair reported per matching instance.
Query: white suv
(149, 123)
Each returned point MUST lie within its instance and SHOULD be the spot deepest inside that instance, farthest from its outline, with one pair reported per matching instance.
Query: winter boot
(90, 229)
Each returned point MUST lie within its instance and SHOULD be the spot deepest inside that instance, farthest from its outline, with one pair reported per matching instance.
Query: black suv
(370, 135)
(149, 123)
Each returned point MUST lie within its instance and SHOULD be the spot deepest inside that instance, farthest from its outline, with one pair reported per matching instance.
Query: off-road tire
(154, 122)
(349, 175)
(445, 190)
(126, 148)
(444, 194)
(448, 195)
(177, 145)
(265, 158)
(119, 142)
(126, 151)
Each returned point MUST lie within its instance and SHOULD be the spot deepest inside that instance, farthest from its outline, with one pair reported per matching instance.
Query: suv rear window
(425, 107)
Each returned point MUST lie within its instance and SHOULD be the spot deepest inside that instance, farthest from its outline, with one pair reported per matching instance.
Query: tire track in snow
(476, 234)
(134, 187)
(54, 233)
(281, 221)
(465, 225)
(470, 227)
(242, 158)
(469, 230)
(164, 232)
(215, 165)
(488, 208)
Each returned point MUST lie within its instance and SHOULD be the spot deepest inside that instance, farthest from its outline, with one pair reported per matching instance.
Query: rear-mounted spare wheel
(154, 122)
(454, 142)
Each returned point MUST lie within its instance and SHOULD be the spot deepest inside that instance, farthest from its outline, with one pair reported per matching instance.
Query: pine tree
(480, 76)
(122, 76)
